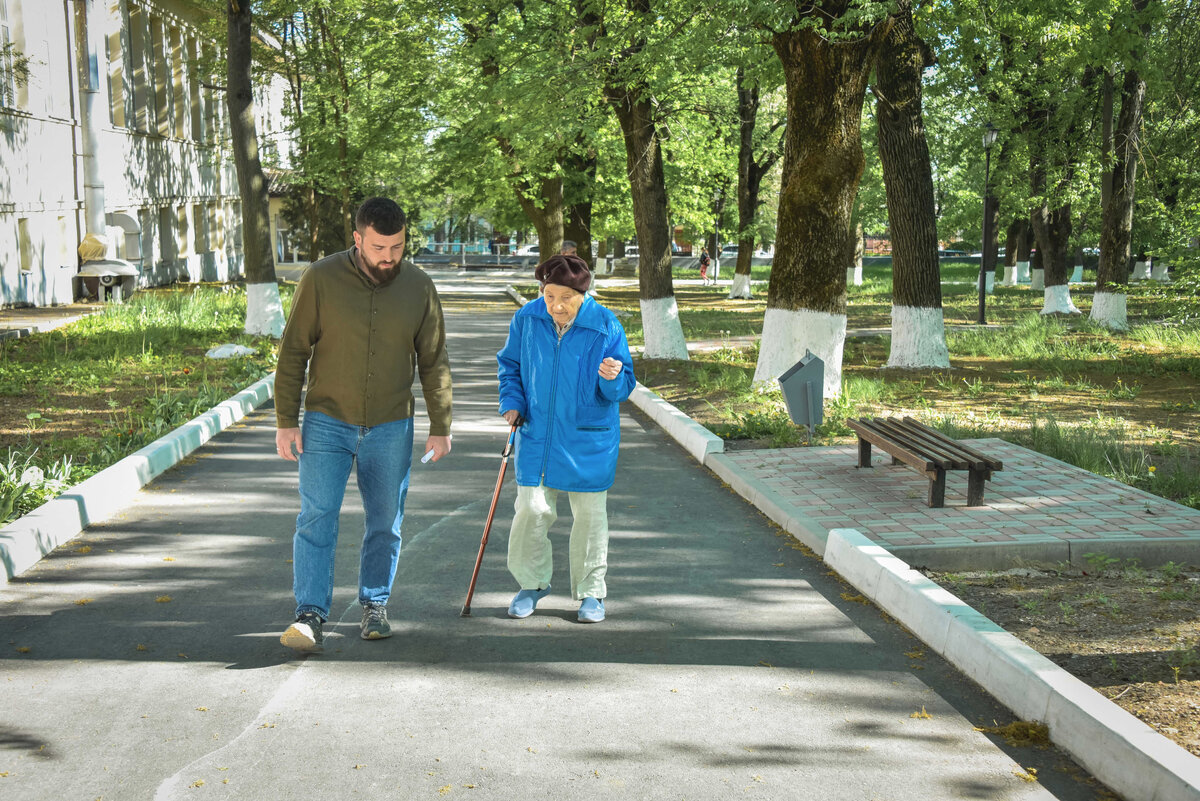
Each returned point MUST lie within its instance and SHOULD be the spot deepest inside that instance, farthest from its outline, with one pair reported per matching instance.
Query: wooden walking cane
(487, 527)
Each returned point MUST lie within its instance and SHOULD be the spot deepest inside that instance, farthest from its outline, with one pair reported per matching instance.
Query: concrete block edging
(1119, 749)
(26, 540)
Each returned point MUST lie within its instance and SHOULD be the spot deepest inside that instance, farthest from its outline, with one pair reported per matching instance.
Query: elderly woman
(564, 370)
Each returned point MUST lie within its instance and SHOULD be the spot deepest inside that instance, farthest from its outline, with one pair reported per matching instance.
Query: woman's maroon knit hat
(570, 271)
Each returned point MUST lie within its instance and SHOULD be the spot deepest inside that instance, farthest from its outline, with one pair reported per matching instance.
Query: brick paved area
(1035, 499)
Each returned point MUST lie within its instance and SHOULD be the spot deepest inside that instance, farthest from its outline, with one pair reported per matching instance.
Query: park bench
(931, 452)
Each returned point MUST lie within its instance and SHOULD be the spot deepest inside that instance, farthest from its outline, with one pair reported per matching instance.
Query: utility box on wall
(803, 392)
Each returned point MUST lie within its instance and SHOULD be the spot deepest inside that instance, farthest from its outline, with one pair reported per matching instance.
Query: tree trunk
(264, 312)
(1116, 227)
(1012, 242)
(577, 221)
(749, 187)
(547, 218)
(822, 164)
(644, 163)
(854, 256)
(918, 327)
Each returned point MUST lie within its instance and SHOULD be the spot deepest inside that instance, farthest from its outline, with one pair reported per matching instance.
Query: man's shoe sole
(299, 637)
(375, 635)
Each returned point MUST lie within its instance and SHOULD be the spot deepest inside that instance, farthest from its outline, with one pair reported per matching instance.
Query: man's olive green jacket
(361, 344)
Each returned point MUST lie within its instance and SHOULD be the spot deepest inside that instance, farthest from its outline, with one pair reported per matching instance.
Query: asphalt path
(141, 661)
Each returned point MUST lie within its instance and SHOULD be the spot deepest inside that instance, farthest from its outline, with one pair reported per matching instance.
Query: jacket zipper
(550, 413)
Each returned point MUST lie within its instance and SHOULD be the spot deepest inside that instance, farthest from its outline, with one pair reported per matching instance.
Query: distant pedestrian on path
(564, 369)
(569, 248)
(704, 262)
(361, 321)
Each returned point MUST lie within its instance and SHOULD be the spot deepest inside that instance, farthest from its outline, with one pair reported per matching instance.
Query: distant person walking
(704, 262)
(361, 321)
(564, 371)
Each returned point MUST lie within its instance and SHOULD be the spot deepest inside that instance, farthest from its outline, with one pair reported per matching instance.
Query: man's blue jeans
(384, 457)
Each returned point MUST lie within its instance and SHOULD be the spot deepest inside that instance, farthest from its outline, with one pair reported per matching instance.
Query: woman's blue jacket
(572, 425)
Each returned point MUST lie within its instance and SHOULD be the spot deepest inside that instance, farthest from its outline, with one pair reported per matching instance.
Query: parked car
(527, 250)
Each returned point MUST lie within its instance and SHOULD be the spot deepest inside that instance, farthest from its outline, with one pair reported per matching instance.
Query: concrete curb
(26, 540)
(693, 437)
(1120, 750)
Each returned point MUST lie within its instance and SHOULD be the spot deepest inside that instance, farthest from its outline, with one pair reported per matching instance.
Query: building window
(167, 248)
(116, 78)
(194, 95)
(25, 245)
(161, 75)
(142, 82)
(200, 226)
(179, 95)
(8, 61)
(183, 233)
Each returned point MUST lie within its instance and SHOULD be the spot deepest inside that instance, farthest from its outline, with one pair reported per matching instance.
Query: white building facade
(119, 129)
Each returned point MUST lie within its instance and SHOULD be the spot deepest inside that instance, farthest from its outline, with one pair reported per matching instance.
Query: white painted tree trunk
(1109, 310)
(1077, 275)
(1022, 272)
(918, 338)
(1038, 279)
(264, 310)
(1160, 272)
(854, 275)
(662, 330)
(1058, 300)
(989, 283)
(1141, 271)
(788, 334)
(1010, 275)
(740, 287)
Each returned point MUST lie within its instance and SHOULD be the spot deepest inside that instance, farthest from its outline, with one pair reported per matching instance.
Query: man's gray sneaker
(375, 624)
(305, 633)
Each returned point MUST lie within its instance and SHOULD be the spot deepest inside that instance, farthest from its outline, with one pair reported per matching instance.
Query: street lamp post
(985, 252)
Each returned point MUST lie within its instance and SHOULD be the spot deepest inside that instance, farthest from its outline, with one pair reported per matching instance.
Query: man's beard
(376, 273)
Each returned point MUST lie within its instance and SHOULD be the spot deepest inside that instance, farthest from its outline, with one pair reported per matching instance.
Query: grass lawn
(75, 400)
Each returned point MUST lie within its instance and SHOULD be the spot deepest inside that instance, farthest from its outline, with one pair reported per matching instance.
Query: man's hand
(512, 417)
(439, 445)
(288, 443)
(610, 368)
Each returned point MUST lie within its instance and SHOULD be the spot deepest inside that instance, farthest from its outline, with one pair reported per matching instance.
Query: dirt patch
(1132, 634)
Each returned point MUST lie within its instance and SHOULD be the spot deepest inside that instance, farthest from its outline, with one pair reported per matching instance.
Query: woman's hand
(512, 416)
(610, 368)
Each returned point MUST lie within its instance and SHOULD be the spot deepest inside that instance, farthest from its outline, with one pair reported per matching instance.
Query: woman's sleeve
(620, 388)
(512, 391)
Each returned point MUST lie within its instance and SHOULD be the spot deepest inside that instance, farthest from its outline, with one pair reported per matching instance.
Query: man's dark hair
(382, 214)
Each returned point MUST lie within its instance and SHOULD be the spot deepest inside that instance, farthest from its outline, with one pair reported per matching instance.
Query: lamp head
(989, 136)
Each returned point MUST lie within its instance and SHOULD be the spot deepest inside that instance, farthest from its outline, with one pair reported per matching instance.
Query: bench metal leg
(975, 479)
(937, 490)
(864, 453)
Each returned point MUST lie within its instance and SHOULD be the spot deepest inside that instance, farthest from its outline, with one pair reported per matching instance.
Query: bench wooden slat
(945, 457)
(988, 461)
(867, 430)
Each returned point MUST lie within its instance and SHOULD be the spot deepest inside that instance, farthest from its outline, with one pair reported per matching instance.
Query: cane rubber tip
(465, 612)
